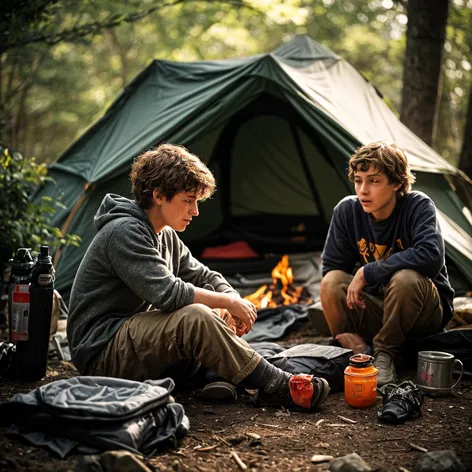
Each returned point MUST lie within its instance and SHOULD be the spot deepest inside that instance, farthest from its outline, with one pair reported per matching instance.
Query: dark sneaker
(300, 391)
(219, 391)
(400, 402)
(385, 365)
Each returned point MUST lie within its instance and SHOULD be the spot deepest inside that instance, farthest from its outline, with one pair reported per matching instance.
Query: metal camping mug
(435, 371)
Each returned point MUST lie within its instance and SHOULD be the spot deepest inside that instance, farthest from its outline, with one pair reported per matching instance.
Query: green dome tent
(277, 130)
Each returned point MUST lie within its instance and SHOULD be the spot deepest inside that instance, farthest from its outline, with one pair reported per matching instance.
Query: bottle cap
(44, 256)
(23, 260)
(360, 360)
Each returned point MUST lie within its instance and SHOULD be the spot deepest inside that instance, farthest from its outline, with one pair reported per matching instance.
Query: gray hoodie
(128, 269)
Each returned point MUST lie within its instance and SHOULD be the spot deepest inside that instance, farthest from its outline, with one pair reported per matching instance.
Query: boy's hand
(243, 310)
(354, 291)
(237, 326)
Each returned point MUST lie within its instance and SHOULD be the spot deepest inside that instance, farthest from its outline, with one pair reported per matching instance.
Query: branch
(12, 90)
(96, 27)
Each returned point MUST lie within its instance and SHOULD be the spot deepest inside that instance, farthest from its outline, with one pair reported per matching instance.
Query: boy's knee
(405, 280)
(198, 323)
(197, 316)
(201, 310)
(335, 282)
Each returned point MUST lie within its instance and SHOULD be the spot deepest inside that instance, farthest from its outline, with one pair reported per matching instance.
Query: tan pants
(409, 307)
(153, 345)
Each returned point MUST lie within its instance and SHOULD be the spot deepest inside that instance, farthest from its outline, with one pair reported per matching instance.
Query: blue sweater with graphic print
(410, 238)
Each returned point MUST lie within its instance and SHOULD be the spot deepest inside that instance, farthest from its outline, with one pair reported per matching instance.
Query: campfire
(281, 291)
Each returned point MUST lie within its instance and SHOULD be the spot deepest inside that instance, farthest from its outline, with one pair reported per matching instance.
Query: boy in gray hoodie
(142, 307)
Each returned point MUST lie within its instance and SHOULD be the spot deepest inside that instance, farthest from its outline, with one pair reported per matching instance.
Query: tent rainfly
(277, 130)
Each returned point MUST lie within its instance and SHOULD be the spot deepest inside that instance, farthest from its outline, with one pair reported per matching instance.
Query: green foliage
(21, 18)
(51, 94)
(24, 223)
(51, 22)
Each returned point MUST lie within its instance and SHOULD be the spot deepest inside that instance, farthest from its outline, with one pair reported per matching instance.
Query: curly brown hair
(389, 158)
(170, 169)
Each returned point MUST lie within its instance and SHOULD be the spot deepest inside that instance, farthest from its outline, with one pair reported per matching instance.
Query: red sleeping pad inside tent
(234, 250)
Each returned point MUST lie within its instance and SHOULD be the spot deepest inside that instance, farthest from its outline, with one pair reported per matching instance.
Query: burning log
(281, 291)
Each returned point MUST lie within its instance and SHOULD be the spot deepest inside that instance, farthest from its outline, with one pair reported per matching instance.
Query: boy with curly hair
(401, 289)
(142, 307)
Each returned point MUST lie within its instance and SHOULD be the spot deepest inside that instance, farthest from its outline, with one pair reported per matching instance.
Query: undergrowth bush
(23, 221)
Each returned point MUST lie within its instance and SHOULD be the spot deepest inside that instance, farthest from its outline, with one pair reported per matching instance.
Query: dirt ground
(220, 433)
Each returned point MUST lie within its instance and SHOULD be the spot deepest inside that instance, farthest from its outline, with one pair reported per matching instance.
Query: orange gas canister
(360, 381)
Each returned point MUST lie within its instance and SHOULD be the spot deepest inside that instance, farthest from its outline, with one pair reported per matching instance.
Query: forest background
(64, 62)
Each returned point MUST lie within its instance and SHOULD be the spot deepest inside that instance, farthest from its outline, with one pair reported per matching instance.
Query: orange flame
(281, 291)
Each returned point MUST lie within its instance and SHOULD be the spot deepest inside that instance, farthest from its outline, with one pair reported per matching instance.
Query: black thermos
(32, 341)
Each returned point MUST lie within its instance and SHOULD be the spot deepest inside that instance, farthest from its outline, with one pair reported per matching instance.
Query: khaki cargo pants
(408, 308)
(153, 345)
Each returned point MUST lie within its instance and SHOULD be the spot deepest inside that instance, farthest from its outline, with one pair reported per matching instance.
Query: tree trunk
(465, 160)
(425, 37)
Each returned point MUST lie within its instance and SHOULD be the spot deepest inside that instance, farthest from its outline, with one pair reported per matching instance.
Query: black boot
(400, 402)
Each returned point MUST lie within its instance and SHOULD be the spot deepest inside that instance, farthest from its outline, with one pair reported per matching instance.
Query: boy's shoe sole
(219, 391)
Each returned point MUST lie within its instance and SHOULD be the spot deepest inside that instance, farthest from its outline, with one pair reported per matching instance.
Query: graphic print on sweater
(372, 252)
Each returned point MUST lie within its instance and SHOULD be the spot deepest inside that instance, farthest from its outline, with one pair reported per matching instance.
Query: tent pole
(73, 212)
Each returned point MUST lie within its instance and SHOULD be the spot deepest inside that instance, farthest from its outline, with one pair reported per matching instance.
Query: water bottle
(32, 356)
(19, 302)
(30, 307)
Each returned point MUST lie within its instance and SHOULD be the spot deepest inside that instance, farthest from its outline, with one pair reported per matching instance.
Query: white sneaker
(384, 363)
